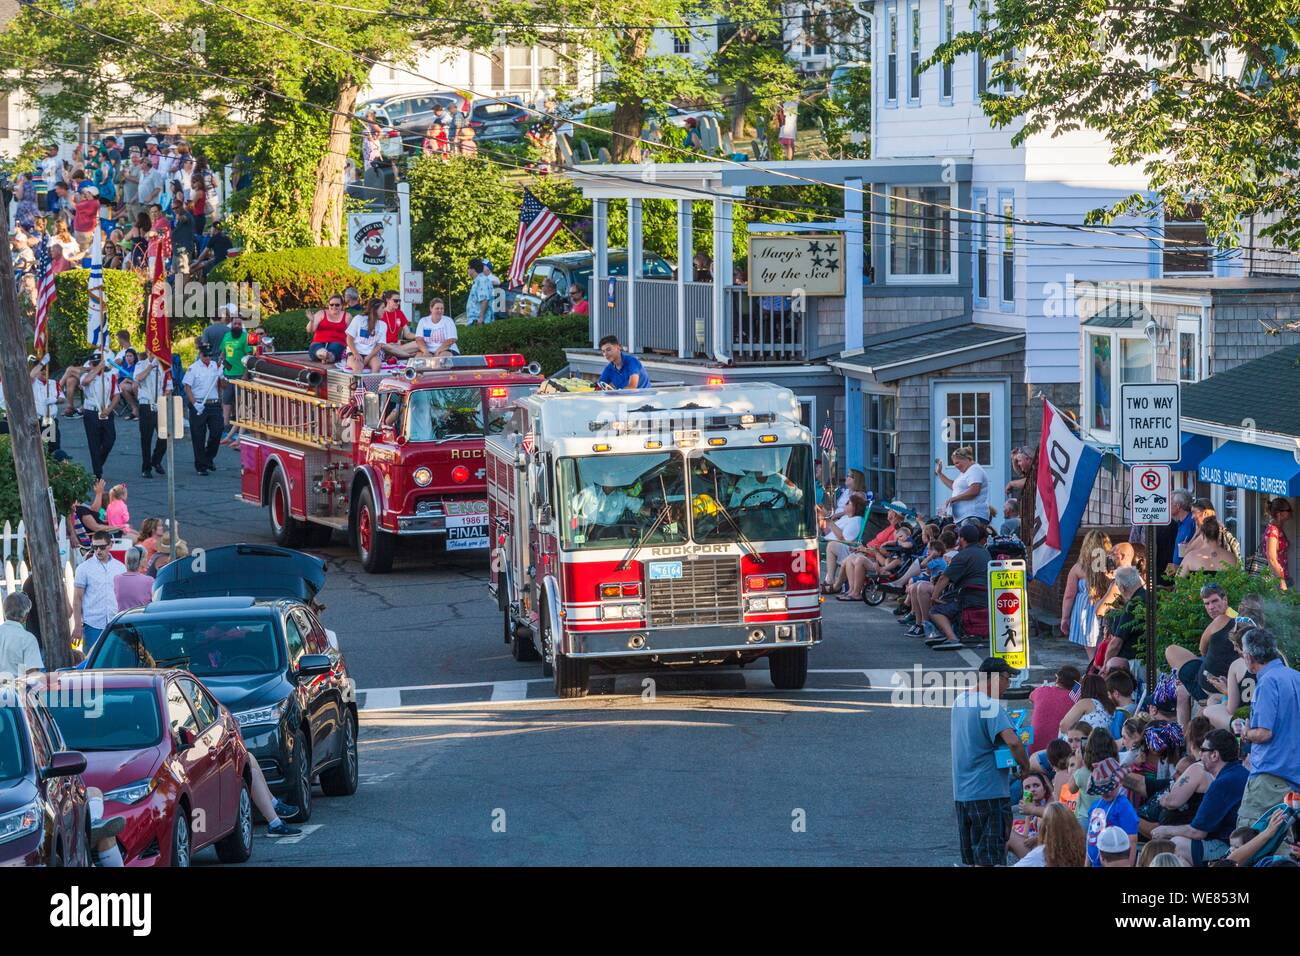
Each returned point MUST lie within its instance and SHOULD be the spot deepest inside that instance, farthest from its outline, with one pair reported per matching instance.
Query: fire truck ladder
(302, 419)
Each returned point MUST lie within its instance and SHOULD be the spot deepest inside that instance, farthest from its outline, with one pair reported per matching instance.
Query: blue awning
(1270, 471)
(1194, 450)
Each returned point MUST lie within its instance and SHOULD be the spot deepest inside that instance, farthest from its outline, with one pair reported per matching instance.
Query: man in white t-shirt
(435, 334)
(970, 489)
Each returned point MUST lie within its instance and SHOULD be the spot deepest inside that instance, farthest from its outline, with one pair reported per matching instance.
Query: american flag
(527, 442)
(45, 293)
(828, 438)
(537, 225)
(1076, 692)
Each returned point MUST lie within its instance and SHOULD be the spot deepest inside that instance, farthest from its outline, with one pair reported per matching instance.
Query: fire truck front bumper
(641, 642)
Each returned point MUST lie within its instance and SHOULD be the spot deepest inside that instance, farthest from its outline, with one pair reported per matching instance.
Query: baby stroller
(878, 585)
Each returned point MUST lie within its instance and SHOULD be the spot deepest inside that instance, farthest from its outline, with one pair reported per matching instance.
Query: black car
(44, 820)
(272, 664)
(253, 570)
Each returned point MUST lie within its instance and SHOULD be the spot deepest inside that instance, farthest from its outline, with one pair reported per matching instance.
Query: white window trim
(1209, 253)
(948, 278)
(894, 35)
(1116, 370)
(946, 34)
(913, 35)
(1189, 324)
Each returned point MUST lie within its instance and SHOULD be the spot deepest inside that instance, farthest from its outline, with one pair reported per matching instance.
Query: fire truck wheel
(521, 648)
(789, 668)
(572, 677)
(287, 530)
(375, 546)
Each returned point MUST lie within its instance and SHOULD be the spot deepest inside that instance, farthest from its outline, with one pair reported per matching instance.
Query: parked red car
(168, 757)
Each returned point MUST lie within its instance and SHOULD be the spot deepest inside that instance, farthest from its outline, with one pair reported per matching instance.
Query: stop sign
(1008, 603)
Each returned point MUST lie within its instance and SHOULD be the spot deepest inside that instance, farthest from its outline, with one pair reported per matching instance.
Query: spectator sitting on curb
(1206, 837)
(1061, 841)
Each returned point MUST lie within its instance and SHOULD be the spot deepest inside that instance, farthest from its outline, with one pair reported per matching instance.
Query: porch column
(854, 425)
(722, 226)
(600, 266)
(634, 257)
(685, 253)
(853, 246)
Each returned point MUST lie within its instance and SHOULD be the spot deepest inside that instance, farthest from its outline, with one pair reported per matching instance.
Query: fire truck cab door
(541, 509)
(383, 439)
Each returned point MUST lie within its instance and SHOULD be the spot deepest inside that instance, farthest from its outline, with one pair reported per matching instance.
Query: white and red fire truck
(660, 526)
(377, 455)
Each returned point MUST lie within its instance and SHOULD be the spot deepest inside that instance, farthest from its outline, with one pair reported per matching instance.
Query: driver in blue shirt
(623, 371)
(752, 481)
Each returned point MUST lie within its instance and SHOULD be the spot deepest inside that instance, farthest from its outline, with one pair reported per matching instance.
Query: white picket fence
(13, 558)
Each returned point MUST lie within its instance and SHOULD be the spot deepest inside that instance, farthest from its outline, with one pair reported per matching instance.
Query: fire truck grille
(708, 592)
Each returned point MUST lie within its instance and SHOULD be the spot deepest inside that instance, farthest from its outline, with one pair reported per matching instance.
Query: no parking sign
(1009, 612)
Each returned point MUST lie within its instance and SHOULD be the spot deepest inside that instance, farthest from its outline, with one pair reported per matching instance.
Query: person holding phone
(365, 335)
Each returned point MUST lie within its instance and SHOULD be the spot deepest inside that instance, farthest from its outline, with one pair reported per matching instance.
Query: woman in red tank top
(328, 330)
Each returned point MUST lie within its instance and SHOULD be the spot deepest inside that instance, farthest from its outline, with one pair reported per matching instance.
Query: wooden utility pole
(29, 467)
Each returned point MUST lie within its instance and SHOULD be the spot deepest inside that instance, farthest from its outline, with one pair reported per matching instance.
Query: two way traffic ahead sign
(1149, 423)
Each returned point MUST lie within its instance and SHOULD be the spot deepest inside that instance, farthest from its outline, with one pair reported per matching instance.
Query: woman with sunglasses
(329, 332)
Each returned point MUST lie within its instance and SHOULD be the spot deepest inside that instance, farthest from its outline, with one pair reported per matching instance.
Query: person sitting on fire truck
(364, 337)
(435, 334)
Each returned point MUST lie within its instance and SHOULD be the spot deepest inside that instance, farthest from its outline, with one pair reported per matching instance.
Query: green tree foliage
(69, 481)
(1165, 85)
(460, 209)
(1181, 618)
(66, 331)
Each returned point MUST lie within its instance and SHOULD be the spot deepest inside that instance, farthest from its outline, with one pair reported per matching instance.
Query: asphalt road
(466, 758)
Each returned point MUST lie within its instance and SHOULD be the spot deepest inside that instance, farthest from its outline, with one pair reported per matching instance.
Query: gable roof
(1263, 390)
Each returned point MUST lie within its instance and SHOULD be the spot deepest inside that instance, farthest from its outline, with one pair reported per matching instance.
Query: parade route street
(467, 758)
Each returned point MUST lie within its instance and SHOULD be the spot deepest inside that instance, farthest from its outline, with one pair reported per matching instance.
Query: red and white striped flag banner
(537, 225)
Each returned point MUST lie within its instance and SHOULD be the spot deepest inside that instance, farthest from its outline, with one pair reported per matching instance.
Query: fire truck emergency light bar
(655, 424)
(437, 363)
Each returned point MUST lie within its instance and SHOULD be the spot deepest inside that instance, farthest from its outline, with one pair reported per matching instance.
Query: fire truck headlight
(621, 612)
(422, 477)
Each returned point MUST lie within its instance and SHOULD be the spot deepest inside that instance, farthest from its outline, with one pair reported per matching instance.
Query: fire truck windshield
(442, 414)
(618, 500)
(762, 490)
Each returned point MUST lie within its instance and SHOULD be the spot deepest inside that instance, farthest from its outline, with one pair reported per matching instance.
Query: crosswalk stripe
(510, 690)
(385, 698)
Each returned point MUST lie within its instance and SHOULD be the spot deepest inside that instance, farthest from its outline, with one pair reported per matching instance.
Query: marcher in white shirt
(45, 393)
(151, 383)
(99, 388)
(94, 599)
(20, 652)
(435, 334)
(203, 395)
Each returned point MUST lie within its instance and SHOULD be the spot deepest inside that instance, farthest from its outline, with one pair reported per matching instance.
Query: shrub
(302, 278)
(68, 480)
(66, 335)
(542, 340)
(289, 329)
(1180, 619)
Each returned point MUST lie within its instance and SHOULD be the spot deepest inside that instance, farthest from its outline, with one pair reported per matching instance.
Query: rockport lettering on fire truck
(377, 456)
(619, 537)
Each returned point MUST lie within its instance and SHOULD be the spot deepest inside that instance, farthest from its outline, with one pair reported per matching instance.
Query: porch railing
(759, 328)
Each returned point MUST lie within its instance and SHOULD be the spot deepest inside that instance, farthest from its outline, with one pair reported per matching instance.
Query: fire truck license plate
(665, 570)
(466, 532)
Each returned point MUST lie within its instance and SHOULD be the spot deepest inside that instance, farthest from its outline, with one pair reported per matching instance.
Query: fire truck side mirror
(371, 407)
(545, 515)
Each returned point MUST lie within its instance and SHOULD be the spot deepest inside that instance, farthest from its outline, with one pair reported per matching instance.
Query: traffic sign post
(1149, 489)
(171, 427)
(1009, 616)
(1150, 431)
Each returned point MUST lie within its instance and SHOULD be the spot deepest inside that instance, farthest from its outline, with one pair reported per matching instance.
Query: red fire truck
(378, 455)
(663, 526)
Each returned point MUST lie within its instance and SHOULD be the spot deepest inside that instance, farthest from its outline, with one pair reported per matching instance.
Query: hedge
(542, 340)
(302, 278)
(66, 333)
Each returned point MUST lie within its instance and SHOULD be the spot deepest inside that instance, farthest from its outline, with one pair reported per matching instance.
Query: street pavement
(468, 759)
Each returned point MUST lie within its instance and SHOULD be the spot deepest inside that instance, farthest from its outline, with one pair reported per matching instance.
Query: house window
(920, 233)
(1008, 283)
(981, 64)
(681, 43)
(891, 56)
(1100, 406)
(1137, 360)
(981, 243)
(948, 21)
(880, 471)
(914, 51)
(1189, 350)
(1186, 248)
(969, 421)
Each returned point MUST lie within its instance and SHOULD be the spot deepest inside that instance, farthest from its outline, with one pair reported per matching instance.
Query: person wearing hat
(170, 549)
(218, 326)
(1110, 807)
(979, 728)
(968, 567)
(1113, 847)
(202, 394)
